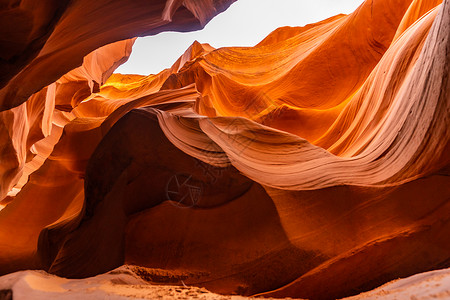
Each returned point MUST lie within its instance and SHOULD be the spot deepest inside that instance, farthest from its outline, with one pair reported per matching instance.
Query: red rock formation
(319, 157)
(54, 37)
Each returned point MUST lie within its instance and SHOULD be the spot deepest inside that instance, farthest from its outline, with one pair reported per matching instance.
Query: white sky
(244, 23)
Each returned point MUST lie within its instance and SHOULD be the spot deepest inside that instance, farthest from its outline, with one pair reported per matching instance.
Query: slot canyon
(313, 165)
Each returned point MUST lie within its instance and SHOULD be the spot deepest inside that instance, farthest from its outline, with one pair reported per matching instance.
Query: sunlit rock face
(313, 165)
(40, 41)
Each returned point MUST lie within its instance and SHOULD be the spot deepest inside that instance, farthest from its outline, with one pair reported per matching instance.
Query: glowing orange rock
(50, 32)
(66, 31)
(319, 157)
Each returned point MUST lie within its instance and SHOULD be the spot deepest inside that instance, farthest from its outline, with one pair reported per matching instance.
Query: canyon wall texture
(318, 158)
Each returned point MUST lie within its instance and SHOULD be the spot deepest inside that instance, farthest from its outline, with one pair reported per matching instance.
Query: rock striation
(319, 157)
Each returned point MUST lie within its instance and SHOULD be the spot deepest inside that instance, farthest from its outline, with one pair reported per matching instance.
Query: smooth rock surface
(318, 158)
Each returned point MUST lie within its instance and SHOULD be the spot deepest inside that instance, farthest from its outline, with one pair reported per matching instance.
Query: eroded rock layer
(135, 282)
(319, 157)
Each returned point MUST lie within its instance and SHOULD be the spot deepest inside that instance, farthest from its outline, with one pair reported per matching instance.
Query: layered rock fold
(319, 157)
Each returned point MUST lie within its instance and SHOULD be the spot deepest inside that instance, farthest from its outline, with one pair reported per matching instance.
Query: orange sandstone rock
(319, 157)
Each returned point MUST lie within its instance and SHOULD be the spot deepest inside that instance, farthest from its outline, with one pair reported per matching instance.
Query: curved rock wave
(319, 157)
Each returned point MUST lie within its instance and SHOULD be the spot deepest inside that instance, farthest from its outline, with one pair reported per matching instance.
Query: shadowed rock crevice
(313, 165)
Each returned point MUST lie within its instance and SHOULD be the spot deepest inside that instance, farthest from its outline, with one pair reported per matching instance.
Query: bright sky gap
(244, 23)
